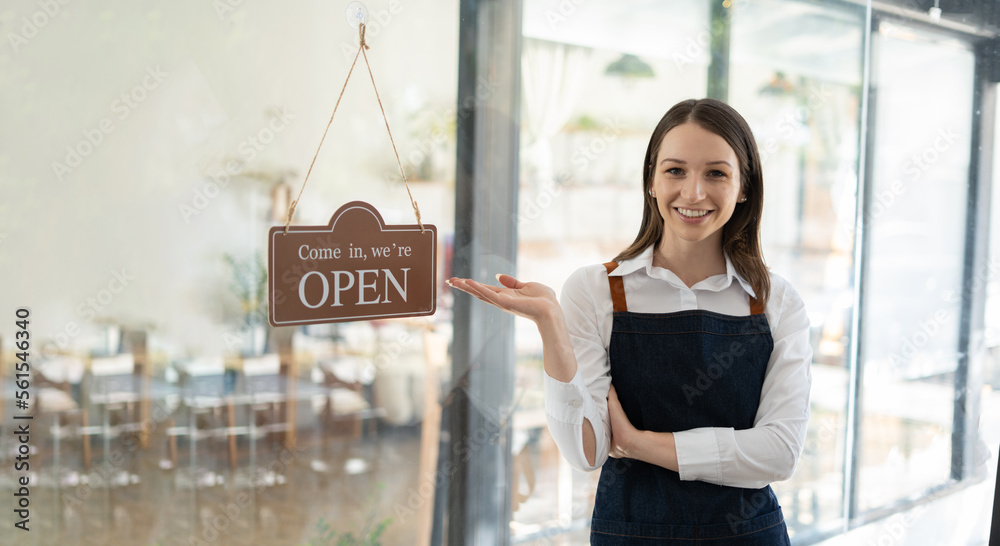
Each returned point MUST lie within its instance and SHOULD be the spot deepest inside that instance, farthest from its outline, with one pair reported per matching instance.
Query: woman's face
(697, 185)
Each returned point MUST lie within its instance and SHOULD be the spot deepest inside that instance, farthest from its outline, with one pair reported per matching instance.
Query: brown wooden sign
(355, 268)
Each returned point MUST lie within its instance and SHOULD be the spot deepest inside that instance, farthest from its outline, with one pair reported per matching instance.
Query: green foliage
(585, 123)
(248, 281)
(370, 534)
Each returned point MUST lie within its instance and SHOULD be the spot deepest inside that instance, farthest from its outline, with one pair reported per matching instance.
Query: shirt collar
(644, 261)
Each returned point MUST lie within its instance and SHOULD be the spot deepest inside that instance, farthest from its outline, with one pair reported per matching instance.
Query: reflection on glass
(166, 410)
(911, 317)
(594, 84)
(991, 279)
(795, 74)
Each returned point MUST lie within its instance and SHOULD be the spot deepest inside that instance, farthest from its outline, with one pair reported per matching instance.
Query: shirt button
(575, 403)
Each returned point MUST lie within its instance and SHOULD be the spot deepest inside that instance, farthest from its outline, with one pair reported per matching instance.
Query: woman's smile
(692, 216)
(696, 185)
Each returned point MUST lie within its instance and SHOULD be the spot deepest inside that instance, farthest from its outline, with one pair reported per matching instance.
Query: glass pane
(585, 126)
(920, 169)
(167, 410)
(796, 70)
(991, 319)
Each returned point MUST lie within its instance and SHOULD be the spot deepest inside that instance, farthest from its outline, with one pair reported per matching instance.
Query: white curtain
(553, 77)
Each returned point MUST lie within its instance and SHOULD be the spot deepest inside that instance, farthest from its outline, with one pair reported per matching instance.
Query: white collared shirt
(750, 458)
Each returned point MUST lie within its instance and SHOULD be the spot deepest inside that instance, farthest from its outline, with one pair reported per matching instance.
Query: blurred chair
(57, 383)
(117, 384)
(51, 405)
(281, 341)
(208, 402)
(344, 403)
(113, 388)
(135, 343)
(401, 371)
(266, 385)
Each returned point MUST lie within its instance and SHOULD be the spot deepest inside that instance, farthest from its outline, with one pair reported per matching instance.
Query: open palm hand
(530, 300)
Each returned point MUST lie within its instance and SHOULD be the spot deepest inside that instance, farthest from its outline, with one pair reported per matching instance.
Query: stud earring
(744, 200)
(652, 193)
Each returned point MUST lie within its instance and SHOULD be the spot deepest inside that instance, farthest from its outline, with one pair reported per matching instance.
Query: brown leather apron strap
(617, 285)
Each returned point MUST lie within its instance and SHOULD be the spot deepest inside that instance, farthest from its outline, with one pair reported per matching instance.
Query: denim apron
(673, 372)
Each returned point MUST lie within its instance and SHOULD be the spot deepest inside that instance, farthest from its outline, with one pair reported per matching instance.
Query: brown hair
(741, 234)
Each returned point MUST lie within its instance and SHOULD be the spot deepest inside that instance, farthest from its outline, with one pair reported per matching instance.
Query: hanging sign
(355, 268)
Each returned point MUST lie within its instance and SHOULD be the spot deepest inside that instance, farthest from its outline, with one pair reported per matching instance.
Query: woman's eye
(675, 171)
(717, 174)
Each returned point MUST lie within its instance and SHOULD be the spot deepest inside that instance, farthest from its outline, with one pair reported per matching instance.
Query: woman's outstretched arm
(539, 304)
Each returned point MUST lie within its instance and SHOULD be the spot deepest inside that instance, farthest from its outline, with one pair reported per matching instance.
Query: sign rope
(361, 52)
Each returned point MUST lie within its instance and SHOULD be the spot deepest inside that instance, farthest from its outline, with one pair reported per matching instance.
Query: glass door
(921, 126)
(796, 71)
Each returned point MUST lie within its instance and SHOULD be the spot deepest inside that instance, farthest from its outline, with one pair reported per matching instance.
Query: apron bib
(673, 372)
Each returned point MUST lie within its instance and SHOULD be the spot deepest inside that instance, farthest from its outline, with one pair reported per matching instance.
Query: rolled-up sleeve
(769, 451)
(585, 396)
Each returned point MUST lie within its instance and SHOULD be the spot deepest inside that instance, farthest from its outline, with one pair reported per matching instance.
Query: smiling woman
(684, 356)
(724, 169)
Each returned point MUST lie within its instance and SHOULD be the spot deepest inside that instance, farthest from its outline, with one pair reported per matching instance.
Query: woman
(685, 360)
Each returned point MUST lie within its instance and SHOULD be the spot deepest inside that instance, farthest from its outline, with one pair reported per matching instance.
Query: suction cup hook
(357, 14)
(935, 12)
